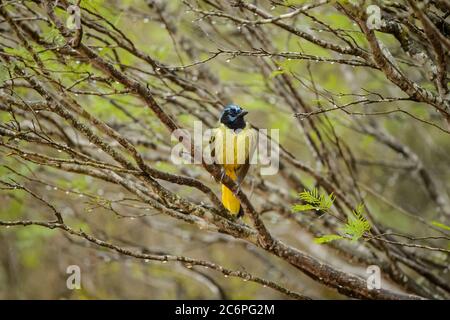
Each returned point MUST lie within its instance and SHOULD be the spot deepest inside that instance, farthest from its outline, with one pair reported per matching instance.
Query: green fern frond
(356, 224)
(311, 197)
(354, 228)
(314, 201)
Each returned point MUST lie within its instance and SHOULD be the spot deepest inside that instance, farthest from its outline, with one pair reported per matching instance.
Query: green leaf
(356, 224)
(302, 207)
(440, 225)
(310, 196)
(327, 238)
(314, 201)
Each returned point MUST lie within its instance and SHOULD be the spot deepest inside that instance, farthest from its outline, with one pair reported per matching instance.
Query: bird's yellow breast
(234, 148)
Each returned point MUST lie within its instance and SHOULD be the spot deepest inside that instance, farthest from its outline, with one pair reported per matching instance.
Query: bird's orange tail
(229, 200)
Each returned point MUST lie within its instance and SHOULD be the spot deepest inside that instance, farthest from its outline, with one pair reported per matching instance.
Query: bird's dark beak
(243, 113)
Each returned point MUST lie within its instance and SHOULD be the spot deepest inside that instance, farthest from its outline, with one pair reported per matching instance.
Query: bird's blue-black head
(233, 117)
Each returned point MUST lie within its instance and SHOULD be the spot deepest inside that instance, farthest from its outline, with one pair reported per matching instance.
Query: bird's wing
(251, 136)
(241, 172)
(220, 149)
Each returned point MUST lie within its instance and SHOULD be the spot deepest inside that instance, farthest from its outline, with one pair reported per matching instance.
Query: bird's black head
(233, 117)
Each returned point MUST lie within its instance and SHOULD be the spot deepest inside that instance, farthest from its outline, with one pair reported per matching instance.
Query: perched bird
(233, 144)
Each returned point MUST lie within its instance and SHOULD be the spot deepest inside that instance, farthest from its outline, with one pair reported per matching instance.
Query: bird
(233, 144)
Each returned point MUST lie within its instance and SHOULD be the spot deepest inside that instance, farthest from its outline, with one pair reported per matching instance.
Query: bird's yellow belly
(234, 152)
